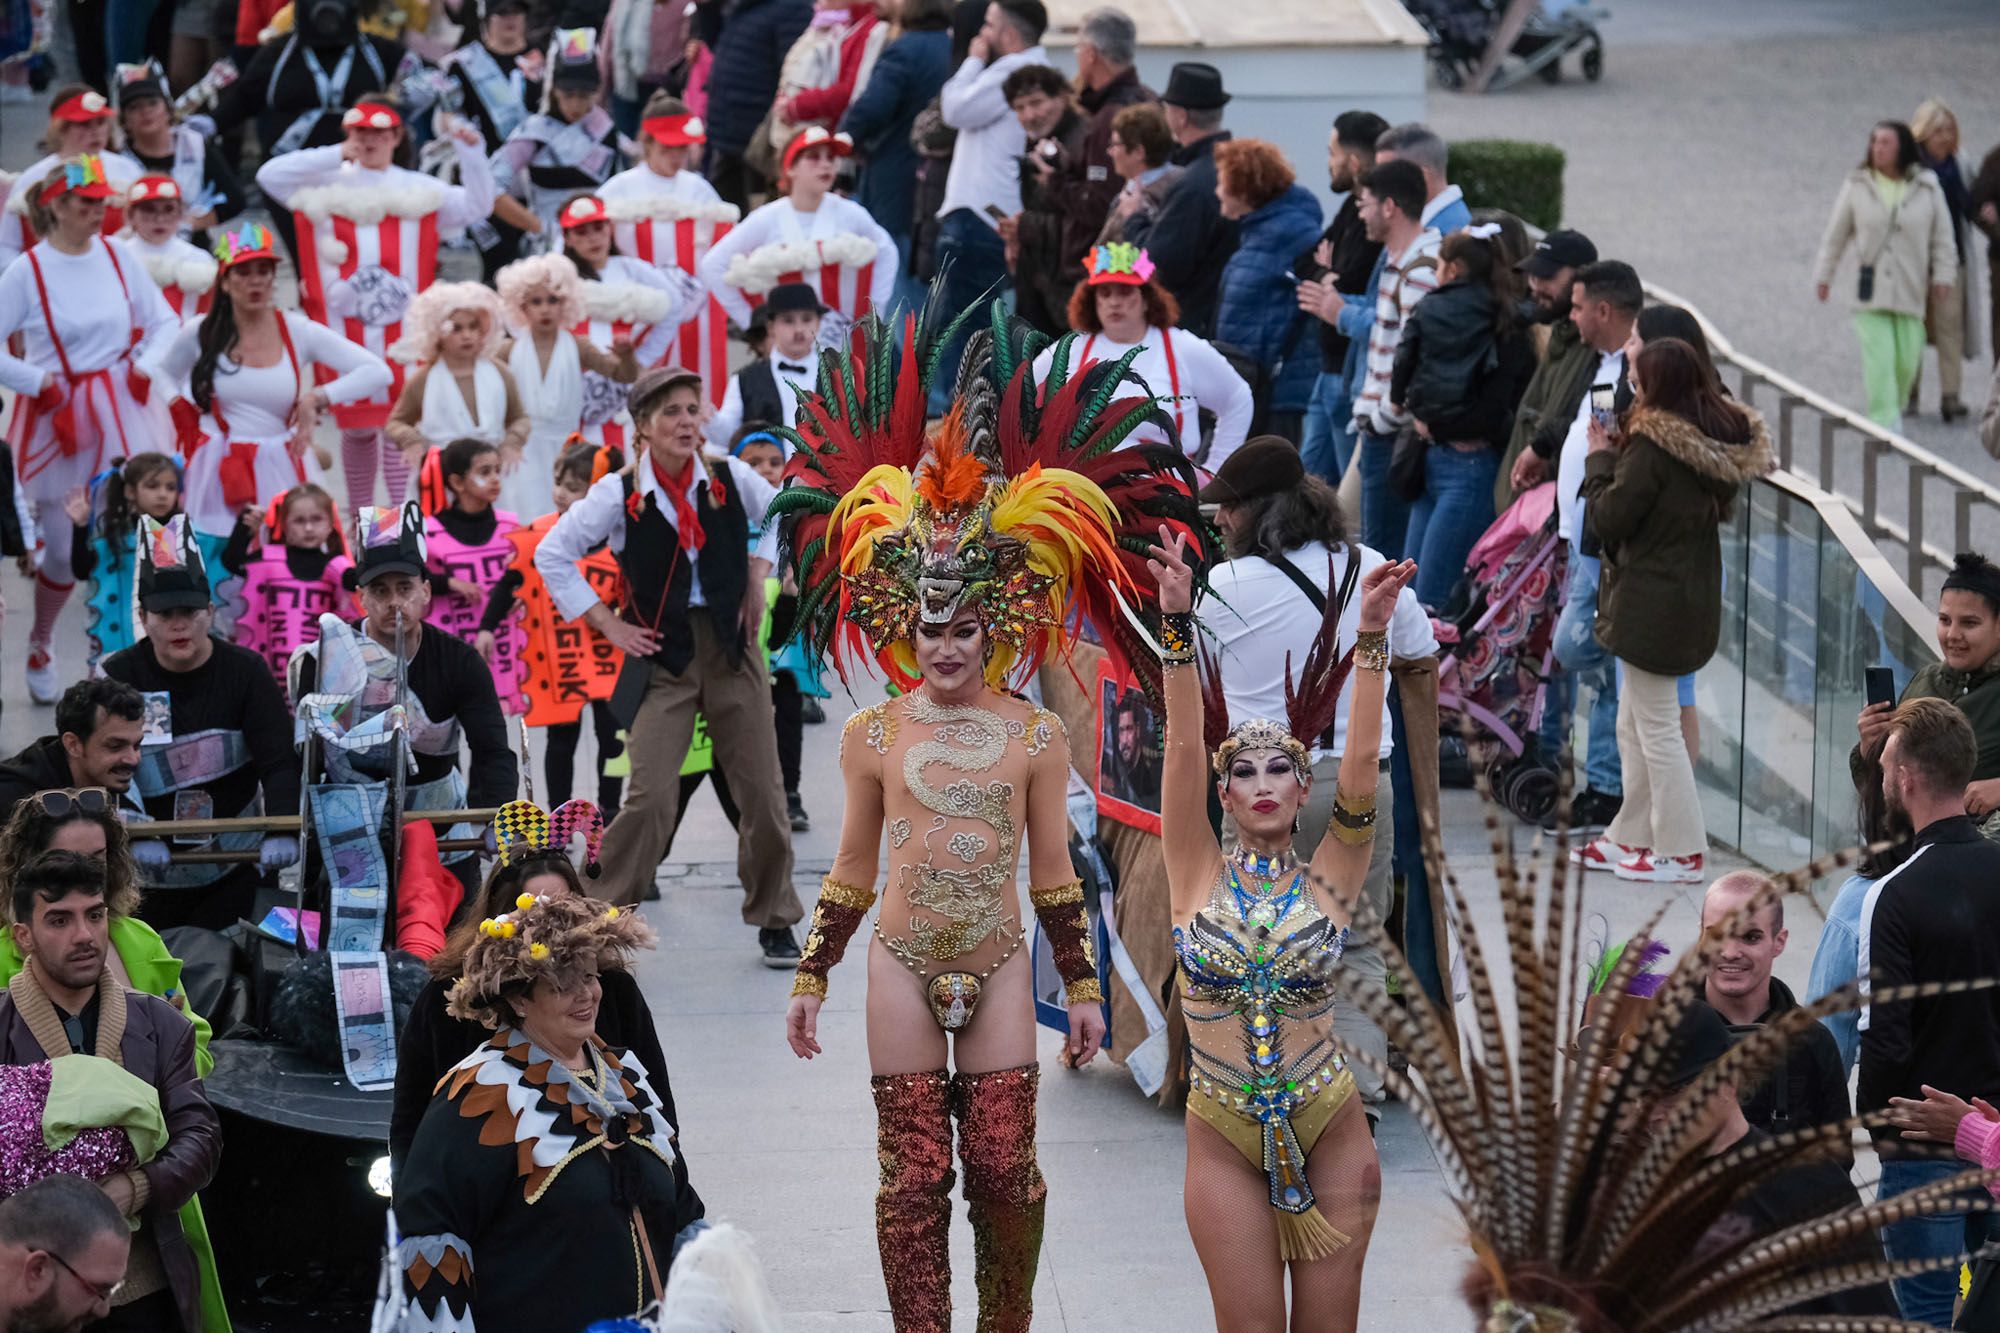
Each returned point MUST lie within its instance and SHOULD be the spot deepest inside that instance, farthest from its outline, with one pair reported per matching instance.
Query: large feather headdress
(1027, 503)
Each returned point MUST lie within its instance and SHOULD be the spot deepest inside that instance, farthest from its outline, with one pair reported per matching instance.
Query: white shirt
(1200, 376)
(93, 317)
(1575, 445)
(1259, 615)
(986, 161)
(257, 401)
(469, 201)
(600, 517)
(728, 418)
(778, 223)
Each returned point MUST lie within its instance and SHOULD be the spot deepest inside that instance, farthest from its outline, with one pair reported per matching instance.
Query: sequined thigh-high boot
(1004, 1190)
(913, 1205)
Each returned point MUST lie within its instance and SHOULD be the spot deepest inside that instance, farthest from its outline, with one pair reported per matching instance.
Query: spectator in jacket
(1947, 320)
(1392, 198)
(984, 183)
(1657, 501)
(1138, 149)
(1275, 217)
(1930, 920)
(1190, 240)
(1333, 275)
(1040, 99)
(1550, 401)
(1445, 210)
(1106, 83)
(1460, 368)
(749, 54)
(1809, 1086)
(99, 723)
(909, 73)
(66, 1002)
(1837, 958)
(62, 1246)
(1893, 211)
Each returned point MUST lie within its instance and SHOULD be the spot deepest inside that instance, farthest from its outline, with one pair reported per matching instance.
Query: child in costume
(155, 213)
(568, 148)
(462, 392)
(107, 551)
(767, 389)
(469, 549)
(543, 300)
(293, 562)
(569, 664)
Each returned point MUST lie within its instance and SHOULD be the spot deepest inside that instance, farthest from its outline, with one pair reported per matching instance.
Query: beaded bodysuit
(1260, 1012)
(954, 798)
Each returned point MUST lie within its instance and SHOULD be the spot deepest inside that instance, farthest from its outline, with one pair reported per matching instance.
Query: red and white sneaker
(1647, 868)
(43, 687)
(1600, 853)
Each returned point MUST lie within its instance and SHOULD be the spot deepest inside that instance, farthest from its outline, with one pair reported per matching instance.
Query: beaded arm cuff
(1176, 638)
(1371, 649)
(1061, 912)
(1353, 819)
(840, 911)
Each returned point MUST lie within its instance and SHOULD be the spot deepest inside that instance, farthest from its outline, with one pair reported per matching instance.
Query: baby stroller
(1495, 641)
(1460, 30)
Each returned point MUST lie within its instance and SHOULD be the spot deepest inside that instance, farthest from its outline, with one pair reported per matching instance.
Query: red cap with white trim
(152, 189)
(82, 108)
(817, 136)
(675, 130)
(583, 210)
(371, 116)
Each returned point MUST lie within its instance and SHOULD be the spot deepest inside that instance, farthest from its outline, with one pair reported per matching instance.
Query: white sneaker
(42, 685)
(1600, 853)
(1644, 867)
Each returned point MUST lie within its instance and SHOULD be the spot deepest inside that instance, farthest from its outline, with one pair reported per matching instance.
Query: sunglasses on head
(60, 801)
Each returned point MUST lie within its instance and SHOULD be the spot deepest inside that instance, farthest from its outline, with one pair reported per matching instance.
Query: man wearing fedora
(764, 391)
(1190, 240)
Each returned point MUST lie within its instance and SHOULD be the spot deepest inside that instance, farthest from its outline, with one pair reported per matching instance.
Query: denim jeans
(978, 270)
(1582, 661)
(1385, 515)
(1449, 517)
(625, 115)
(1927, 1297)
(1328, 444)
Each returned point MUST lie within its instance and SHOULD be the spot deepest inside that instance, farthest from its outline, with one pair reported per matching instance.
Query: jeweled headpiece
(1312, 694)
(1027, 506)
(1261, 733)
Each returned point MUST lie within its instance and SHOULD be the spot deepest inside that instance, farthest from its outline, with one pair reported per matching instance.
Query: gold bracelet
(1371, 650)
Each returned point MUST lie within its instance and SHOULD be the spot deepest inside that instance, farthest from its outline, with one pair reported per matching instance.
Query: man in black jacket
(1549, 403)
(1935, 918)
(98, 726)
(1810, 1087)
(1341, 262)
(1043, 279)
(1190, 240)
(1106, 83)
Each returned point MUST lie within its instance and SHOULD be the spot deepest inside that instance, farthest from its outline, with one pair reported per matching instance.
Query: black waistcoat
(758, 384)
(656, 571)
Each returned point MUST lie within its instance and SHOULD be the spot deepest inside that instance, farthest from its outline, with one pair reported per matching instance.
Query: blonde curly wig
(557, 938)
(424, 322)
(554, 273)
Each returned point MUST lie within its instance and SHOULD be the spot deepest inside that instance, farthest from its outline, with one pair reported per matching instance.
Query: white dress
(553, 399)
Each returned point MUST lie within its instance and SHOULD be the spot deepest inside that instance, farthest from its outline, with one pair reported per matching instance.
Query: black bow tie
(790, 368)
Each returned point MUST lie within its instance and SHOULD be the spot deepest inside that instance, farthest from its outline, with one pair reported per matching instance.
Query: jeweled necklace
(1268, 868)
(1263, 903)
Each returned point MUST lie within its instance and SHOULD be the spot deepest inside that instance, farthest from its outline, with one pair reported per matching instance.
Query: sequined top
(1254, 991)
(954, 793)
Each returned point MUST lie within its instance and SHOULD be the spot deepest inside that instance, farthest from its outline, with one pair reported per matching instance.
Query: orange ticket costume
(568, 664)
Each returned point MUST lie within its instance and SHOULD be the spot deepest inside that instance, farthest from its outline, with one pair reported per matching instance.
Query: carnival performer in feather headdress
(959, 564)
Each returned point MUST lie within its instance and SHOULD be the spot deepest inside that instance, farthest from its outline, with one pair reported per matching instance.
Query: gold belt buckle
(953, 997)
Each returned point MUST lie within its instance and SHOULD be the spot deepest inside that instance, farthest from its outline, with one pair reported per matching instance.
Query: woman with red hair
(1118, 307)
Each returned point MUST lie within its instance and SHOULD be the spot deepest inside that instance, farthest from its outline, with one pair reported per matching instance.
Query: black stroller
(1460, 30)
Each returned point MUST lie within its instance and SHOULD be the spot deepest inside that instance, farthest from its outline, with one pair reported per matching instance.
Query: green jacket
(1657, 503)
(1549, 403)
(1976, 694)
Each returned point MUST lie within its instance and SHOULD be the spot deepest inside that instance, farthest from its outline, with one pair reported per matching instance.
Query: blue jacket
(742, 82)
(1256, 303)
(907, 76)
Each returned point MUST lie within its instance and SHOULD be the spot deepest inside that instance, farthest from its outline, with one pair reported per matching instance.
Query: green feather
(936, 357)
(803, 499)
(1004, 360)
(1058, 367)
(1100, 398)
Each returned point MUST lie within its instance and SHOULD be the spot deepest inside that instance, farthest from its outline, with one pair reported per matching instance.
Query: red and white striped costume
(672, 222)
(368, 243)
(636, 301)
(838, 249)
(185, 273)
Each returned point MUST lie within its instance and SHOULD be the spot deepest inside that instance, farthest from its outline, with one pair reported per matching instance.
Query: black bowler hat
(789, 296)
(1195, 86)
(1557, 251)
(1264, 465)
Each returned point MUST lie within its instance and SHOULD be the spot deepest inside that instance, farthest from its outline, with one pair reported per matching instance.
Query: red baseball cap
(675, 130)
(585, 208)
(817, 136)
(371, 116)
(82, 108)
(151, 189)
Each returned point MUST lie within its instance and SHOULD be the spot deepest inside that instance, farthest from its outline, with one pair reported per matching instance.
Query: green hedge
(1524, 178)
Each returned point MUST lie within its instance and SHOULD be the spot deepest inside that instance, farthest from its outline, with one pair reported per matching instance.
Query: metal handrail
(1921, 465)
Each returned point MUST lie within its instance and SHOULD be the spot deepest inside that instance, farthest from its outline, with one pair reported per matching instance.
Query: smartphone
(995, 212)
(1881, 684)
(1604, 403)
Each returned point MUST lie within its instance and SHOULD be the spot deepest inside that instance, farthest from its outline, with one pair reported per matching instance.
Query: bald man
(1811, 1087)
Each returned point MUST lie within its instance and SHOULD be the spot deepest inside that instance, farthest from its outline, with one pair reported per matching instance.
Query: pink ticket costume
(483, 565)
(281, 611)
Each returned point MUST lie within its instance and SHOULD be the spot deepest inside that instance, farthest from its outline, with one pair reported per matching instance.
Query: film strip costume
(1025, 509)
(547, 160)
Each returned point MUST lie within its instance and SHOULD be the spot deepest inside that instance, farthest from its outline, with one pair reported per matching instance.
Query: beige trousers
(1662, 809)
(1945, 322)
(736, 701)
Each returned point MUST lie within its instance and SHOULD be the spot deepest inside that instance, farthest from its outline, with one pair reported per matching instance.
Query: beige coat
(1909, 257)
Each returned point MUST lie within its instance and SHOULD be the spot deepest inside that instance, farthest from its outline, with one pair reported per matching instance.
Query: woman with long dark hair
(245, 375)
(1893, 211)
(1657, 497)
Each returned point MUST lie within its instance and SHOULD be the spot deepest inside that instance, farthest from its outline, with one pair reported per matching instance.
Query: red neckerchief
(687, 524)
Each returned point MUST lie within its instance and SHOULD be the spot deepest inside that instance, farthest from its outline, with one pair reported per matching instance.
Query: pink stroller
(1495, 639)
